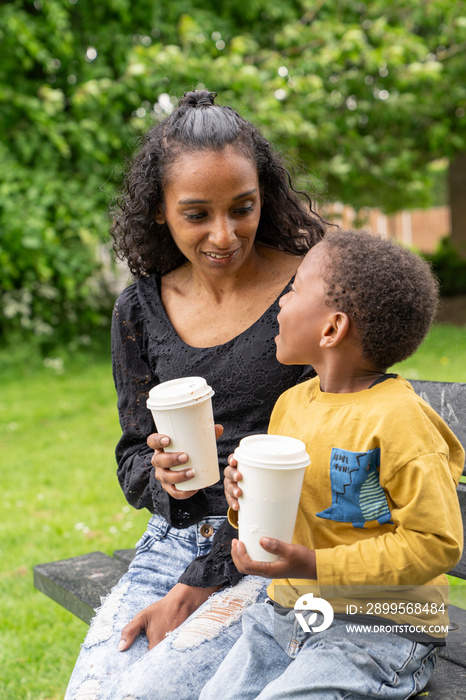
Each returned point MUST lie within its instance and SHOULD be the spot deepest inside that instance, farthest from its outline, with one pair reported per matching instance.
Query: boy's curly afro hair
(389, 293)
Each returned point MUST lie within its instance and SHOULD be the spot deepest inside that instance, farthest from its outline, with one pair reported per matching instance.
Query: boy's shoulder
(305, 390)
(391, 388)
(392, 402)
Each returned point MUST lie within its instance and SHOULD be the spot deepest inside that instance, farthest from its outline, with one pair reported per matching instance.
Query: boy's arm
(426, 543)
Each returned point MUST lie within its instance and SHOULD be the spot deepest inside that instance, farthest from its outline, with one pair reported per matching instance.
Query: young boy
(378, 521)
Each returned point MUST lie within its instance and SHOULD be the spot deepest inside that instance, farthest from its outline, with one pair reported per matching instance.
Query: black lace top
(247, 380)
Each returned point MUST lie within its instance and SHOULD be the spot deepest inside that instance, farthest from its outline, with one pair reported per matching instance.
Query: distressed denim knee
(163, 553)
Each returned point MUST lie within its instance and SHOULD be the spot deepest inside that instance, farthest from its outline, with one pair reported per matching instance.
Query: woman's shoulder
(134, 295)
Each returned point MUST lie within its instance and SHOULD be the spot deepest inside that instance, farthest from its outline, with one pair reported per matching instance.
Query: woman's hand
(165, 615)
(230, 483)
(163, 461)
(295, 560)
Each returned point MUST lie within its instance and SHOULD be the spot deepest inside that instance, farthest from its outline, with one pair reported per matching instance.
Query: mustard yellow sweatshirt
(378, 502)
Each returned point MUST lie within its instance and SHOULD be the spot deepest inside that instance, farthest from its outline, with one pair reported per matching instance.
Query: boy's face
(303, 312)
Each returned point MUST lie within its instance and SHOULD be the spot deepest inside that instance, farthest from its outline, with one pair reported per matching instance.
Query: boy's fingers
(232, 474)
(273, 546)
(232, 490)
(239, 554)
(244, 563)
(238, 549)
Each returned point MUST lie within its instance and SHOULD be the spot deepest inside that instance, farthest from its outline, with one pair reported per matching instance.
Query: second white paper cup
(273, 468)
(182, 409)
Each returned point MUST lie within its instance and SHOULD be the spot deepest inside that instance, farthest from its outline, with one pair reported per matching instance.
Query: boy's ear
(335, 329)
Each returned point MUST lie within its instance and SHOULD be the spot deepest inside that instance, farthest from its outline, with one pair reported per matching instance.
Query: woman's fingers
(156, 441)
(166, 460)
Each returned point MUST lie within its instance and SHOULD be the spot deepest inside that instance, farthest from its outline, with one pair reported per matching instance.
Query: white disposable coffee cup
(182, 409)
(272, 467)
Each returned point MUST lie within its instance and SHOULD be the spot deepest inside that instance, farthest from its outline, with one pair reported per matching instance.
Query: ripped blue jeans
(178, 667)
(275, 659)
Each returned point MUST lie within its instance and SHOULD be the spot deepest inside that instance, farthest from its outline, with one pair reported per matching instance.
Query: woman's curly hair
(197, 124)
(389, 292)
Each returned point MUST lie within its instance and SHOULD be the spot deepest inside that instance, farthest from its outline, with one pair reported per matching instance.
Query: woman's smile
(220, 257)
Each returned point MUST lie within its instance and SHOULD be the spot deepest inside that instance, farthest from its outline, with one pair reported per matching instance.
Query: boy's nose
(282, 301)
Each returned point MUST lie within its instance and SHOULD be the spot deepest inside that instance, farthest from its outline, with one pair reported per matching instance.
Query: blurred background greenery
(367, 100)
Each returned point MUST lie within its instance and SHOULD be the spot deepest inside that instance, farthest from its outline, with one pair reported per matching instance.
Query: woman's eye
(197, 216)
(244, 210)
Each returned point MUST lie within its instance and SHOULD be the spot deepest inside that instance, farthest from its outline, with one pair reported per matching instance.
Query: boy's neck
(347, 380)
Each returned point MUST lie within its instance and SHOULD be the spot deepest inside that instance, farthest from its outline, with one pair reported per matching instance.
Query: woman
(213, 232)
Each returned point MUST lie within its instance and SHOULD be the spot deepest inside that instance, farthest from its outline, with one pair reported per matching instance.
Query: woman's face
(212, 208)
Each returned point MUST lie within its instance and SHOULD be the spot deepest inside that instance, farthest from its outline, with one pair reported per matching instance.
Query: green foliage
(366, 95)
(450, 268)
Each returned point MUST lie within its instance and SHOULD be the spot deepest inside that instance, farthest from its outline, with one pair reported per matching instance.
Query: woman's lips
(221, 257)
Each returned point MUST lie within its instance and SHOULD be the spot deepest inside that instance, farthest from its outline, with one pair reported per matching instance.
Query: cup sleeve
(232, 516)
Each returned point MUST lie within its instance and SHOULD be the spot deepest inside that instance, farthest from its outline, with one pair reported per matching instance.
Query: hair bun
(202, 98)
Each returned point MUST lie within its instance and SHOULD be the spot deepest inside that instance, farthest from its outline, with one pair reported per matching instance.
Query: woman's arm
(217, 567)
(143, 467)
(133, 380)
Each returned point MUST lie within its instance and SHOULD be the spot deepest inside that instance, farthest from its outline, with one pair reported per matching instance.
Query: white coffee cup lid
(178, 393)
(272, 451)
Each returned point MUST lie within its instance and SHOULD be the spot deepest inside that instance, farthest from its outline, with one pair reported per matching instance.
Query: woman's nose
(223, 232)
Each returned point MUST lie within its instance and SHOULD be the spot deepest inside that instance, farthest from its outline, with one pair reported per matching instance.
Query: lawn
(60, 496)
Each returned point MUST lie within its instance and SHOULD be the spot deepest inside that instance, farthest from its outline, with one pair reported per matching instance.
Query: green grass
(441, 356)
(60, 496)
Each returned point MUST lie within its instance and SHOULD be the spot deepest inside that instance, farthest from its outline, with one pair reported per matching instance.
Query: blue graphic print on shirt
(357, 495)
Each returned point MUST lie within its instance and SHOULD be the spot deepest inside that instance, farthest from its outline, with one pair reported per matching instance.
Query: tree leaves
(366, 95)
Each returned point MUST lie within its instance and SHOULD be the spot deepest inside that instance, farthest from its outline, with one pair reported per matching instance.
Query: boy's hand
(296, 561)
(230, 483)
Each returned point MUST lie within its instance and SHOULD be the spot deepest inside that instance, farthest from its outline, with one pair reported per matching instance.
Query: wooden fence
(421, 228)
